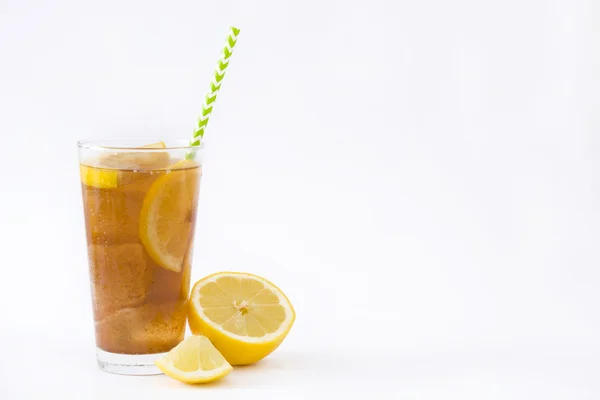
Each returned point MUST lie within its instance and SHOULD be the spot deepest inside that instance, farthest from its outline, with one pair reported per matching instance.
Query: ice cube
(112, 216)
(156, 159)
(150, 328)
(120, 277)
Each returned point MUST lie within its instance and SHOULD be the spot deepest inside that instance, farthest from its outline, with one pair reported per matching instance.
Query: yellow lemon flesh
(195, 360)
(99, 178)
(168, 212)
(245, 316)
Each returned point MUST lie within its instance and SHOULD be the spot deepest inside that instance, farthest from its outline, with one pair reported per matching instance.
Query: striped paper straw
(215, 85)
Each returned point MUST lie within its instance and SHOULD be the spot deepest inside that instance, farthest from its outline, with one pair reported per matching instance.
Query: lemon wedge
(195, 360)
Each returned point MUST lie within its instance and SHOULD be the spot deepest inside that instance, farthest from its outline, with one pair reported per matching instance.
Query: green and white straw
(215, 85)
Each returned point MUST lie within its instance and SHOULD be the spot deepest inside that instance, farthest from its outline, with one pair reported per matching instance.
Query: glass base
(128, 364)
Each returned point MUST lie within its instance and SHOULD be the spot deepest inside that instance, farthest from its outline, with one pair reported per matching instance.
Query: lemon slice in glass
(168, 213)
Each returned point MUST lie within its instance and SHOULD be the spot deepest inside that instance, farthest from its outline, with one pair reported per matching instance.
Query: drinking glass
(140, 197)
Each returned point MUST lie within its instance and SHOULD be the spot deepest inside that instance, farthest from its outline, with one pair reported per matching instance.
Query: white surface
(421, 178)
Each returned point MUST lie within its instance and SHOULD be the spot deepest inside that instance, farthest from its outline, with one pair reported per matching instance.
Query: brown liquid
(139, 306)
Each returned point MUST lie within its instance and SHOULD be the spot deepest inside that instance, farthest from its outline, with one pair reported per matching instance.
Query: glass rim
(95, 144)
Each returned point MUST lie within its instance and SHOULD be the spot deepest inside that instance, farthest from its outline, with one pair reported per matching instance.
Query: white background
(420, 177)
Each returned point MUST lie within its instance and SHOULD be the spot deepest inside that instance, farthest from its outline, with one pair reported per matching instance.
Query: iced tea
(140, 213)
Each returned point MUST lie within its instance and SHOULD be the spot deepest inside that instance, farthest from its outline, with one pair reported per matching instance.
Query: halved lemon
(168, 212)
(245, 316)
(195, 360)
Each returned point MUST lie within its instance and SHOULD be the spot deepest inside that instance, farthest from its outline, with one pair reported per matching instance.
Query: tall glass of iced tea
(140, 199)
